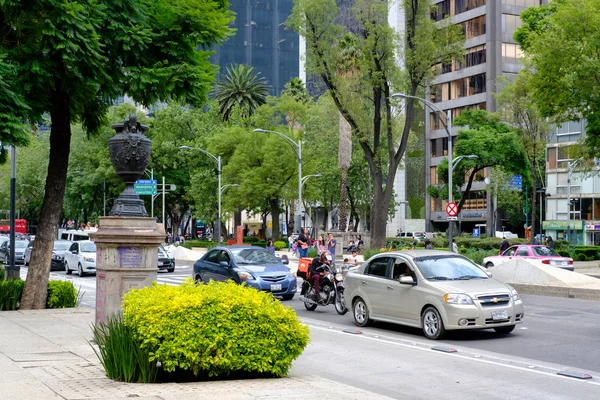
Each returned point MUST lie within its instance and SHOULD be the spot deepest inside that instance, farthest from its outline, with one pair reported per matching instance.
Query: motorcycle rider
(317, 269)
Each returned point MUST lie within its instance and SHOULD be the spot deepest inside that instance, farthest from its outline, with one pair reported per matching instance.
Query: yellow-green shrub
(280, 245)
(215, 329)
(61, 294)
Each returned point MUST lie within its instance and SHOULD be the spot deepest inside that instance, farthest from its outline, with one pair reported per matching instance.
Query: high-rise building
(262, 41)
(469, 83)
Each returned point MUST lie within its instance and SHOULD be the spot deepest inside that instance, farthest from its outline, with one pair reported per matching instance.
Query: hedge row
(61, 294)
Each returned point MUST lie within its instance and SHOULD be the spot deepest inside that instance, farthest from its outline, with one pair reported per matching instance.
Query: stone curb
(557, 291)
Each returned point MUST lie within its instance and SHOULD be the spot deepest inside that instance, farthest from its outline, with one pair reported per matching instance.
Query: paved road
(556, 330)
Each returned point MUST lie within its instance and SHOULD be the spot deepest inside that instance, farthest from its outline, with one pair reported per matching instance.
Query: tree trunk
(275, 233)
(343, 213)
(36, 285)
(379, 217)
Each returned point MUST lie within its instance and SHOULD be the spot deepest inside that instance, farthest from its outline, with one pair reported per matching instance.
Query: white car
(81, 257)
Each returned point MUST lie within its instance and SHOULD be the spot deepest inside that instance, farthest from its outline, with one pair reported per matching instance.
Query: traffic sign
(146, 182)
(475, 232)
(452, 209)
(452, 218)
(144, 189)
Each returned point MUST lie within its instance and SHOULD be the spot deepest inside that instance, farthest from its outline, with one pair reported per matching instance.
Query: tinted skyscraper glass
(262, 41)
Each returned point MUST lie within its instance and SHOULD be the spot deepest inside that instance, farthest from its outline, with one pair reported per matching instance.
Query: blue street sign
(146, 182)
(475, 232)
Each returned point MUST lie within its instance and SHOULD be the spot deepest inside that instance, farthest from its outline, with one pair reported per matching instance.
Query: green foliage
(121, 352)
(241, 87)
(13, 109)
(370, 253)
(280, 245)
(2, 273)
(61, 294)
(188, 244)
(215, 329)
(10, 293)
(477, 255)
(312, 252)
(250, 239)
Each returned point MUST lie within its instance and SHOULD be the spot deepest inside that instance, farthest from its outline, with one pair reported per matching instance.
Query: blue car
(252, 265)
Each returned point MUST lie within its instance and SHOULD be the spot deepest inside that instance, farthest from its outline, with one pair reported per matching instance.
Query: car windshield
(88, 247)
(448, 268)
(21, 244)
(544, 251)
(61, 246)
(254, 256)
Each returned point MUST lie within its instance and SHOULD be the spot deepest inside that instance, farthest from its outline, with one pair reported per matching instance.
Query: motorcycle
(332, 292)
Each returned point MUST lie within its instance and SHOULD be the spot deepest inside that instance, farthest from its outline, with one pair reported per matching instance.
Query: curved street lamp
(216, 159)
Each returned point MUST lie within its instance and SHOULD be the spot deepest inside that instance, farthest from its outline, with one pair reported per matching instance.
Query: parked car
(81, 256)
(59, 248)
(251, 265)
(544, 254)
(432, 290)
(165, 260)
(20, 246)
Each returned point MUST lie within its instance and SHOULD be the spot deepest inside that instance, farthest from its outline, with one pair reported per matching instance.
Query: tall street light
(222, 190)
(570, 166)
(216, 159)
(297, 147)
(448, 128)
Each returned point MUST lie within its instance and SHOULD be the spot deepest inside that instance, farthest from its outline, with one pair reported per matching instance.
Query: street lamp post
(297, 147)
(570, 167)
(448, 128)
(217, 159)
(221, 195)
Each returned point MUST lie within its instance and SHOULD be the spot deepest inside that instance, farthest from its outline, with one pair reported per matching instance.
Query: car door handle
(390, 288)
(363, 283)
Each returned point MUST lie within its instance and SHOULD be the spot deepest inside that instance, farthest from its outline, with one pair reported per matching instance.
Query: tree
(241, 87)
(13, 109)
(365, 98)
(493, 142)
(561, 42)
(521, 110)
(72, 59)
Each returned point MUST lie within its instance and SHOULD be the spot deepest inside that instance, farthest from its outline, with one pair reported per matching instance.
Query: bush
(215, 329)
(188, 244)
(121, 353)
(477, 256)
(61, 294)
(312, 252)
(10, 294)
(2, 273)
(370, 253)
(280, 245)
(251, 239)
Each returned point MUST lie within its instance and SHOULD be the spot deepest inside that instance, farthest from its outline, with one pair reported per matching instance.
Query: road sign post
(145, 186)
(452, 209)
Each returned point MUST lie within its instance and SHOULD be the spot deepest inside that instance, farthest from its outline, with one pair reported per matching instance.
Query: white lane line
(429, 350)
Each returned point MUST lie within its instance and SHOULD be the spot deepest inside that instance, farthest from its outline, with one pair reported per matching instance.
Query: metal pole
(219, 213)
(569, 201)
(299, 185)
(12, 270)
(152, 197)
(163, 204)
(449, 131)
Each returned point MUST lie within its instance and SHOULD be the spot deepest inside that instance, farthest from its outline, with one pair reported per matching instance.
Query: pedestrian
(290, 242)
(550, 242)
(504, 245)
(331, 243)
(321, 245)
(295, 249)
(454, 246)
(271, 247)
(428, 245)
(303, 243)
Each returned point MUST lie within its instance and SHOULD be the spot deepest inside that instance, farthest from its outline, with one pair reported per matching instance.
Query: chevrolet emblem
(495, 300)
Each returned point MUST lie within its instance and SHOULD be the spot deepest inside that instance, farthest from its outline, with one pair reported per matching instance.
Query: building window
(434, 177)
(551, 158)
(568, 132)
(440, 10)
(511, 53)
(460, 6)
(564, 155)
(522, 3)
(439, 147)
(449, 8)
(474, 27)
(464, 87)
(434, 120)
(510, 23)
(473, 56)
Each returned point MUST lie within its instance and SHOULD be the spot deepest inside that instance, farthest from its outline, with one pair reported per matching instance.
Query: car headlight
(88, 259)
(515, 295)
(245, 276)
(56, 257)
(455, 298)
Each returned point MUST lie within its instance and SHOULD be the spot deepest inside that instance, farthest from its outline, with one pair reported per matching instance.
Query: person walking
(303, 243)
(321, 245)
(290, 242)
(549, 242)
(454, 246)
(504, 245)
(428, 245)
(331, 243)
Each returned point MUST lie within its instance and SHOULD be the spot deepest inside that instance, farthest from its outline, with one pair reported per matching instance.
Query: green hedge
(251, 239)
(2, 273)
(280, 245)
(61, 294)
(188, 244)
(215, 330)
(10, 294)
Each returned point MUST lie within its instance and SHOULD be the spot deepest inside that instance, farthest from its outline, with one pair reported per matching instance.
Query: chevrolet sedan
(543, 254)
(432, 290)
(251, 265)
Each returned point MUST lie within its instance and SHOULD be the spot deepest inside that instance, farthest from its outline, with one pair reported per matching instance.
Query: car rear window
(544, 251)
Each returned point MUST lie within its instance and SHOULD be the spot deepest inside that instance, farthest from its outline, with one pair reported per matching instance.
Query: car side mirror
(407, 280)
(74, 251)
(224, 264)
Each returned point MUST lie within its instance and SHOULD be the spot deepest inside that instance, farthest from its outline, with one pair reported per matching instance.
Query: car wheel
(171, 269)
(198, 280)
(340, 307)
(433, 326)
(504, 330)
(361, 313)
(489, 265)
(67, 270)
(80, 270)
(288, 297)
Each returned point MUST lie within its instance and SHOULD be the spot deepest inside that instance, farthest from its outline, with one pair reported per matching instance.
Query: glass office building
(262, 41)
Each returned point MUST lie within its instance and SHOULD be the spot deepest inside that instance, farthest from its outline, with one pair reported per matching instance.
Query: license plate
(499, 314)
(160, 263)
(276, 287)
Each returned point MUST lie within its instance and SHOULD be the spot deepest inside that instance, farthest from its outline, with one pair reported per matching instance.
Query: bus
(20, 226)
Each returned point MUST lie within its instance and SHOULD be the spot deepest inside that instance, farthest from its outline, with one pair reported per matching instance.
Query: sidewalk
(45, 354)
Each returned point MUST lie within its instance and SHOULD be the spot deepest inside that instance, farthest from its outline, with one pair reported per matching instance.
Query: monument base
(126, 258)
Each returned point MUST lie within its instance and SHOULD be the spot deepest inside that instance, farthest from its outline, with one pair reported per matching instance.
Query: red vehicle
(20, 226)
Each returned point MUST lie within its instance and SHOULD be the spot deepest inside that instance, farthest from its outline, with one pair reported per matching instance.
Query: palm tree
(242, 87)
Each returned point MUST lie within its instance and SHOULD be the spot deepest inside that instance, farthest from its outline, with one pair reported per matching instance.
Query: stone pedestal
(126, 257)
(343, 238)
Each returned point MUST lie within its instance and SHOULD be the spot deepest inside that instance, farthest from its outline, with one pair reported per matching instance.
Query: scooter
(332, 292)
